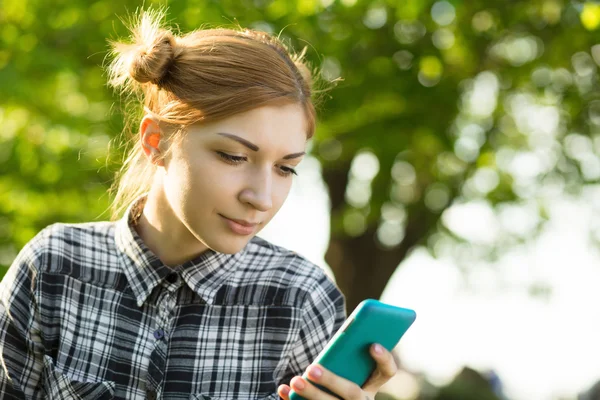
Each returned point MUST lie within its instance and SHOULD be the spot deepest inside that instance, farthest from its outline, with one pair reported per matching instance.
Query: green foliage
(416, 79)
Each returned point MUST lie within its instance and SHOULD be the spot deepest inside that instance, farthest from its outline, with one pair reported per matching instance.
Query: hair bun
(153, 57)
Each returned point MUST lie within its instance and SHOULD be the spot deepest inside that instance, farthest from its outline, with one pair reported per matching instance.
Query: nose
(258, 191)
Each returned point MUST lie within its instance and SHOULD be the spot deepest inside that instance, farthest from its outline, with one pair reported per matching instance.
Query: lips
(240, 226)
(243, 222)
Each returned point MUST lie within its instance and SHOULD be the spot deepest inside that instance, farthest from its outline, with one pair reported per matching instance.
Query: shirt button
(172, 277)
(159, 334)
(150, 395)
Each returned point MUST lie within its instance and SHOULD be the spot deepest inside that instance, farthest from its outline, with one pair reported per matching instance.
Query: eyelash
(237, 160)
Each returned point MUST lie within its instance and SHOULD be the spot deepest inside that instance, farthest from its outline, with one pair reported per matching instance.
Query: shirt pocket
(57, 386)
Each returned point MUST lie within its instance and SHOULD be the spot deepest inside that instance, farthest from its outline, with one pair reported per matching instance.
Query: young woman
(178, 299)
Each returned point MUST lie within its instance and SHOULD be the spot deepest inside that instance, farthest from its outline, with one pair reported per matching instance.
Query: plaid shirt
(87, 311)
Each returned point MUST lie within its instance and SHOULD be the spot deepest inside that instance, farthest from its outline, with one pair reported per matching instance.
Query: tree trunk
(361, 266)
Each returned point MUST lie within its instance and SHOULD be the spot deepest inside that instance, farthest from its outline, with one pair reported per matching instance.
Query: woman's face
(225, 180)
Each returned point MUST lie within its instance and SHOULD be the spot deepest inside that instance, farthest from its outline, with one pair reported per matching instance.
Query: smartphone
(347, 353)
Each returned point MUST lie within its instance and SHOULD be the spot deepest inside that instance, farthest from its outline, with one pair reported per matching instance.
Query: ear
(150, 138)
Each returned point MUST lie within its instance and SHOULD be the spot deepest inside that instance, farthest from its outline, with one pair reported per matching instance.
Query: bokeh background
(455, 168)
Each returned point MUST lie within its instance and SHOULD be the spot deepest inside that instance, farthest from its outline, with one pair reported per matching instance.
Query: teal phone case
(347, 353)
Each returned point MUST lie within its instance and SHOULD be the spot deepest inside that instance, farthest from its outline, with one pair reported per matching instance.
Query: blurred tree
(592, 393)
(442, 103)
(467, 385)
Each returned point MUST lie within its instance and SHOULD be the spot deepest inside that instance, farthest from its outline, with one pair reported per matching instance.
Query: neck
(164, 233)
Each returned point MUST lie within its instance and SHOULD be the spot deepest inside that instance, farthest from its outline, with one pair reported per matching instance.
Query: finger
(386, 368)
(284, 392)
(308, 390)
(321, 376)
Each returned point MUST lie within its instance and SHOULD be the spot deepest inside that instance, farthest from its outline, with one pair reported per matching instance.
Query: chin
(230, 246)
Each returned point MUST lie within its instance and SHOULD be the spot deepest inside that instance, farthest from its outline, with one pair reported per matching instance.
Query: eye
(287, 171)
(228, 158)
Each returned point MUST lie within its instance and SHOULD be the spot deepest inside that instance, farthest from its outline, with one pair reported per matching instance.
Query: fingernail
(298, 384)
(315, 372)
(378, 349)
(285, 390)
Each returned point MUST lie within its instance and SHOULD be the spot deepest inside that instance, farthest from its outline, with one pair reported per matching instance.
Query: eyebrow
(254, 147)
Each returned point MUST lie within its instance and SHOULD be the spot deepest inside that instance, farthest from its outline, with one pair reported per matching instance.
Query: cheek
(212, 181)
(281, 190)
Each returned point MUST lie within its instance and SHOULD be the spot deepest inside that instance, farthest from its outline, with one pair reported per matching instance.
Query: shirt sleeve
(323, 314)
(21, 349)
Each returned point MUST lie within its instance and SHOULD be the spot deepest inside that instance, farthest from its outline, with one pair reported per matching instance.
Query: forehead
(280, 127)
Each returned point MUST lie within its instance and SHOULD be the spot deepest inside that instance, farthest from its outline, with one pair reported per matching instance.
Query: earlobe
(150, 136)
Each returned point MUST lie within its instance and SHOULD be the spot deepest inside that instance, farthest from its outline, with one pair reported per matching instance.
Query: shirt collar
(204, 274)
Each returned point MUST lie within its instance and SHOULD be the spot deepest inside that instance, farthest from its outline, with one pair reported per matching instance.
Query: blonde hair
(202, 76)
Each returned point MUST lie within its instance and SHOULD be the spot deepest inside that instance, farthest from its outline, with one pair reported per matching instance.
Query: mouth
(239, 226)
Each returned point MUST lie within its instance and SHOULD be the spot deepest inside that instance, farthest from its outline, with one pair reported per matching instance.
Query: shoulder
(59, 249)
(292, 273)
(61, 246)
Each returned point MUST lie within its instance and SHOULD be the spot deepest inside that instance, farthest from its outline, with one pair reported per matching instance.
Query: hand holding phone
(347, 353)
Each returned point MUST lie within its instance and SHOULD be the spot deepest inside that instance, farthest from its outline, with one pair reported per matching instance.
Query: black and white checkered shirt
(87, 311)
